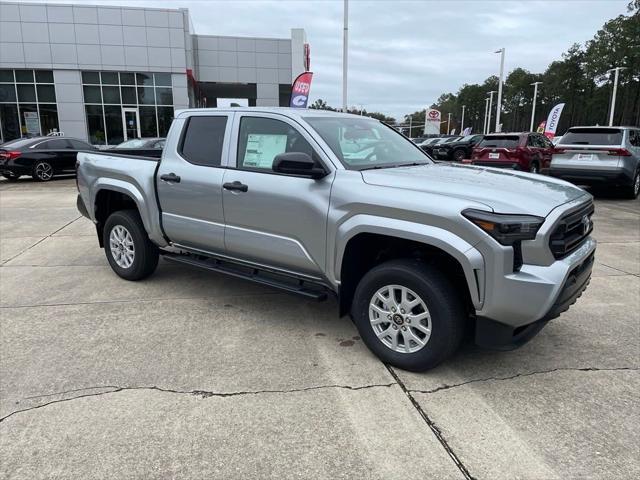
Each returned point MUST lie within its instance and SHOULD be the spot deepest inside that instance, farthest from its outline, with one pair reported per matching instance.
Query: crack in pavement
(431, 424)
(198, 393)
(528, 374)
(620, 270)
(42, 239)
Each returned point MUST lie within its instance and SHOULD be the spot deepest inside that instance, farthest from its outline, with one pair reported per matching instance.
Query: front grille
(571, 230)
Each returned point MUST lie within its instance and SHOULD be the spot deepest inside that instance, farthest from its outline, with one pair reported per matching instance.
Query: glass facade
(120, 106)
(27, 104)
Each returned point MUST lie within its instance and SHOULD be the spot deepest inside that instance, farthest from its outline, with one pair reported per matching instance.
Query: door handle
(170, 177)
(240, 187)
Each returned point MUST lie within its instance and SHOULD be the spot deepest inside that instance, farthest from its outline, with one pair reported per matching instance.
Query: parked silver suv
(321, 203)
(600, 157)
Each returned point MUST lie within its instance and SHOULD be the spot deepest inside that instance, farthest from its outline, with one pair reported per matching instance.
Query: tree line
(579, 79)
(320, 104)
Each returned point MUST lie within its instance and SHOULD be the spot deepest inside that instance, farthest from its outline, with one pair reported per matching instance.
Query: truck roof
(288, 111)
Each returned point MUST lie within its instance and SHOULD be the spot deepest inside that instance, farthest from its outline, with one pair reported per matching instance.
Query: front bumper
(530, 298)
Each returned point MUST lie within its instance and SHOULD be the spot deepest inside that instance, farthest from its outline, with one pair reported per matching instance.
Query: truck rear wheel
(129, 251)
(408, 314)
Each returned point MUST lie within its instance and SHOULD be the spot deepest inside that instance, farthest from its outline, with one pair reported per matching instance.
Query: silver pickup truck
(322, 203)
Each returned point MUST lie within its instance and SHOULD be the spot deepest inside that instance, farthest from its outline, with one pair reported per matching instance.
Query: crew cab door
(274, 219)
(189, 181)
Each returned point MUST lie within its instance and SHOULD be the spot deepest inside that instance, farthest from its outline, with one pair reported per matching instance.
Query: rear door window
(78, 145)
(57, 144)
(500, 141)
(203, 139)
(593, 136)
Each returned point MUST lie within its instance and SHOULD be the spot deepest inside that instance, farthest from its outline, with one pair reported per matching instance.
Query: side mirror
(298, 163)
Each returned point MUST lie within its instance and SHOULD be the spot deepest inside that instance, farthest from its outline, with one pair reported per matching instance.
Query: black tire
(445, 306)
(458, 155)
(12, 177)
(145, 257)
(534, 167)
(633, 190)
(42, 171)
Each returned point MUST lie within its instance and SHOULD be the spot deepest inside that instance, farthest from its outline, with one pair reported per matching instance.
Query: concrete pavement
(192, 374)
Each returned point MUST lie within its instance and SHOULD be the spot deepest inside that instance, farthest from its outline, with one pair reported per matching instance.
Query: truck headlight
(507, 229)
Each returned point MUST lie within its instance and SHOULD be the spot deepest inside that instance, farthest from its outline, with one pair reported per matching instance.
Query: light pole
(486, 110)
(501, 51)
(615, 91)
(490, 107)
(345, 43)
(449, 123)
(462, 122)
(535, 95)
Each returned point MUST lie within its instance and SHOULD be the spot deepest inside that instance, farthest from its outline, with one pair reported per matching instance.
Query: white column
(462, 122)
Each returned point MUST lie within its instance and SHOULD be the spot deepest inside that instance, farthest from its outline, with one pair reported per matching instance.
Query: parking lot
(190, 374)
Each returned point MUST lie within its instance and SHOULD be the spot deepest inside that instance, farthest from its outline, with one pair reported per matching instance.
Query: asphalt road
(190, 374)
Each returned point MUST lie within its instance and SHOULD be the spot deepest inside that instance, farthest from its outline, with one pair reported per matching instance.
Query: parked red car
(529, 152)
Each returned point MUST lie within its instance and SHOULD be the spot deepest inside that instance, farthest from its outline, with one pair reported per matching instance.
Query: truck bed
(130, 175)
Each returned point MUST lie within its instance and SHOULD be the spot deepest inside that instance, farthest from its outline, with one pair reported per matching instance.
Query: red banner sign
(300, 90)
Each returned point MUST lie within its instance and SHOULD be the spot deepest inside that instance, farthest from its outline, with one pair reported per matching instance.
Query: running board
(284, 282)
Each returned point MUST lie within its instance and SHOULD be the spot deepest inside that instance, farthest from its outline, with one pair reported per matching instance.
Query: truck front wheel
(129, 251)
(408, 314)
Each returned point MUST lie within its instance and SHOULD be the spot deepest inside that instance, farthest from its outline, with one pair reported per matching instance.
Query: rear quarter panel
(132, 176)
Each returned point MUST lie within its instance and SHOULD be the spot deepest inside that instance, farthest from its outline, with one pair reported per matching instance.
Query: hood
(504, 191)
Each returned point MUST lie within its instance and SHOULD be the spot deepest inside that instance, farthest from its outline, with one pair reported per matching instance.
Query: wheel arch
(366, 245)
(114, 196)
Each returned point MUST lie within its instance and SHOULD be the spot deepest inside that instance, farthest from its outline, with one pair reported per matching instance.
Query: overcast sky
(404, 54)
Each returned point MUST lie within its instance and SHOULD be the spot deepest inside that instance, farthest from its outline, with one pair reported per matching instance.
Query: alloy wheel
(400, 319)
(44, 171)
(122, 247)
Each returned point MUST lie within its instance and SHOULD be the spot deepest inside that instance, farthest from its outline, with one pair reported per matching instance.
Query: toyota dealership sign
(432, 122)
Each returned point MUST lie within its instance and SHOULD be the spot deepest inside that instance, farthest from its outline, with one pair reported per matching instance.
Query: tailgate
(495, 155)
(590, 157)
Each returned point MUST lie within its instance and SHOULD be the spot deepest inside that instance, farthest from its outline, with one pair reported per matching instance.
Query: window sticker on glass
(262, 149)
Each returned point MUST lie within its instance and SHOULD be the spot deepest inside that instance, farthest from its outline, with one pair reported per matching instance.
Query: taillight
(10, 155)
(620, 152)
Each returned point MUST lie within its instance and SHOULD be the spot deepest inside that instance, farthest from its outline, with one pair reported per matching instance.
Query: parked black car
(432, 144)
(458, 149)
(40, 157)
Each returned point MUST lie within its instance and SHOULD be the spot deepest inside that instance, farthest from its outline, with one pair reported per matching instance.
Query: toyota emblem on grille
(586, 223)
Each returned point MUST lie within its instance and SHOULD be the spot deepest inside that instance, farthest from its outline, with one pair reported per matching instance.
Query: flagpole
(501, 51)
(345, 40)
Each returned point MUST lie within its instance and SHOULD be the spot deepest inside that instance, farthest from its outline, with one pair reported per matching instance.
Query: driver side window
(261, 139)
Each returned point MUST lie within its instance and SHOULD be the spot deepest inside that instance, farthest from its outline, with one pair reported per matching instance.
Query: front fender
(468, 257)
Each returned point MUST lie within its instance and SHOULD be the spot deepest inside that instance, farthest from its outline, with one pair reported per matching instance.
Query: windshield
(503, 141)
(593, 136)
(135, 143)
(362, 143)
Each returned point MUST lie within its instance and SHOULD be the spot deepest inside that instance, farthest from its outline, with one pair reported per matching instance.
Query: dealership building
(107, 74)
